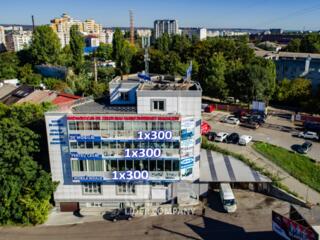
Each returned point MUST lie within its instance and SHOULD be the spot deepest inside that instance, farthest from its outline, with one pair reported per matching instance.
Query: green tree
(76, 46)
(122, 53)
(310, 43)
(104, 52)
(45, 46)
(214, 80)
(9, 65)
(163, 43)
(294, 45)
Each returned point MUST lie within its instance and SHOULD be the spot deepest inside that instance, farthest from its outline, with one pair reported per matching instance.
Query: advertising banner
(289, 229)
(186, 166)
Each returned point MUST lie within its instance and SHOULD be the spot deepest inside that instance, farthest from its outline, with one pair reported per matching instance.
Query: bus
(227, 198)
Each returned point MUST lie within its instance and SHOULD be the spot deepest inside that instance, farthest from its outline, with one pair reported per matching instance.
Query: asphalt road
(276, 130)
(251, 221)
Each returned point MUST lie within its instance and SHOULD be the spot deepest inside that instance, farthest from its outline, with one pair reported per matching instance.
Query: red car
(205, 128)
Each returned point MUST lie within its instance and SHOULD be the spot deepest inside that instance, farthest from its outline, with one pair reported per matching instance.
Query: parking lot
(252, 220)
(276, 130)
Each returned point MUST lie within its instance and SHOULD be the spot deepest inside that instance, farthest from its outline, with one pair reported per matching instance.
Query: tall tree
(294, 45)
(45, 46)
(104, 52)
(76, 47)
(9, 65)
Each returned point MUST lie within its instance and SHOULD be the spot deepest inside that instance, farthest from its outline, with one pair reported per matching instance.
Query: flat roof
(216, 167)
(102, 105)
(312, 215)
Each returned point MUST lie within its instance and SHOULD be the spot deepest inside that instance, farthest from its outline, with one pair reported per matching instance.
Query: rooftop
(312, 215)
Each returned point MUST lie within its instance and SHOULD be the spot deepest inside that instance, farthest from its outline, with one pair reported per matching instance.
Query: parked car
(211, 136)
(209, 108)
(120, 214)
(250, 124)
(245, 139)
(231, 120)
(309, 135)
(258, 119)
(304, 148)
(240, 113)
(221, 137)
(233, 138)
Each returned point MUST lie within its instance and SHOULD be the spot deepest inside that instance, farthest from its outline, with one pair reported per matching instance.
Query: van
(227, 198)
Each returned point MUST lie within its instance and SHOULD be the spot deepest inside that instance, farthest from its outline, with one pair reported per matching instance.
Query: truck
(227, 198)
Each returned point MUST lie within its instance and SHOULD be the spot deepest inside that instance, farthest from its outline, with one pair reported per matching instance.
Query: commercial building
(140, 146)
(291, 65)
(63, 24)
(165, 26)
(18, 40)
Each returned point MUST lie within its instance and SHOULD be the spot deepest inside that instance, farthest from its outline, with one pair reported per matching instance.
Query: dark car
(120, 214)
(211, 136)
(304, 148)
(258, 119)
(233, 138)
(249, 124)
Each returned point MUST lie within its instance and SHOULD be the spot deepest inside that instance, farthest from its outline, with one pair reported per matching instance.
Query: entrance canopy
(216, 167)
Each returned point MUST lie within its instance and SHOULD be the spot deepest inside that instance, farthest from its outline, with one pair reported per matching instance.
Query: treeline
(26, 188)
(310, 43)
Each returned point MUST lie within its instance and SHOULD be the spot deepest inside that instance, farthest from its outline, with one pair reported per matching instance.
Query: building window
(73, 145)
(158, 105)
(126, 188)
(72, 125)
(124, 96)
(91, 188)
(95, 125)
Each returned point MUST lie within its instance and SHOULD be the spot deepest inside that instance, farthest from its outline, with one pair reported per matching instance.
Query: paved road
(277, 131)
(251, 221)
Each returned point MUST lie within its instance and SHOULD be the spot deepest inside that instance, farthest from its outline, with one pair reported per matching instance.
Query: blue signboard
(86, 156)
(89, 138)
(88, 179)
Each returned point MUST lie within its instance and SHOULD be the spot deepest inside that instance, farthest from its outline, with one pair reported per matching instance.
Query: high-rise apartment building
(165, 26)
(17, 40)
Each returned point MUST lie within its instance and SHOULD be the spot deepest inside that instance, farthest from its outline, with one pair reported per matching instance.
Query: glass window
(120, 126)
(97, 144)
(112, 125)
(158, 105)
(89, 145)
(105, 145)
(161, 125)
(124, 96)
(159, 165)
(87, 125)
(113, 145)
(122, 165)
(91, 188)
(127, 125)
(91, 165)
(168, 145)
(129, 164)
(136, 145)
(144, 165)
(75, 165)
(168, 126)
(73, 145)
(167, 165)
(98, 165)
(120, 145)
(114, 165)
(108, 165)
(175, 126)
(81, 145)
(153, 126)
(128, 145)
(80, 126)
(137, 165)
(72, 125)
(83, 165)
(104, 125)
(175, 166)
(96, 125)
(176, 145)
(126, 188)
(153, 165)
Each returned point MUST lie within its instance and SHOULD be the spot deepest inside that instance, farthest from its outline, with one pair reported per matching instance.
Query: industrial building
(139, 146)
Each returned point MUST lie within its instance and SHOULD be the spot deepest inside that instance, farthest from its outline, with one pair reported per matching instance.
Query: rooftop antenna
(131, 28)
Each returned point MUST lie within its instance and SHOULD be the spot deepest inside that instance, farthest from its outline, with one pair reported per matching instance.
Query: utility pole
(146, 45)
(95, 69)
(32, 19)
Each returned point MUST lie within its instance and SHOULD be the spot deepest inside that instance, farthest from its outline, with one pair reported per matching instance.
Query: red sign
(125, 118)
(205, 128)
(289, 229)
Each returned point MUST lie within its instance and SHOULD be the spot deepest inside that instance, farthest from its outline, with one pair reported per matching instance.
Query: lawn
(299, 166)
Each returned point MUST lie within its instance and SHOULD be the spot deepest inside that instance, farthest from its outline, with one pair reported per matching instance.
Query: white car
(309, 135)
(221, 136)
(231, 120)
(245, 139)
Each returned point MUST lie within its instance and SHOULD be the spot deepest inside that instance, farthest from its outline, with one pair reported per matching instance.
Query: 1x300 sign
(155, 135)
(142, 153)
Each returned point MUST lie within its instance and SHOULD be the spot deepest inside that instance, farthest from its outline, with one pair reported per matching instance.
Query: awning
(216, 167)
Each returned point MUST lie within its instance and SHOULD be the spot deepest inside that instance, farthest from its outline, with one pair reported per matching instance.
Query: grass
(276, 181)
(299, 166)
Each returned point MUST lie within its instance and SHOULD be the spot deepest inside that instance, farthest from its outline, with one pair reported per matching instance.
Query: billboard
(290, 229)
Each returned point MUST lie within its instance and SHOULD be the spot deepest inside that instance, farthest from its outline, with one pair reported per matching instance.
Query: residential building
(63, 24)
(139, 146)
(200, 33)
(165, 26)
(18, 40)
(92, 41)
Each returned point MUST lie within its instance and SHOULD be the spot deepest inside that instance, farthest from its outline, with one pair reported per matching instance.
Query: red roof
(64, 98)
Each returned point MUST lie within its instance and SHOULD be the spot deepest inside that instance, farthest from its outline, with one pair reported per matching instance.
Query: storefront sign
(124, 118)
(86, 156)
(80, 138)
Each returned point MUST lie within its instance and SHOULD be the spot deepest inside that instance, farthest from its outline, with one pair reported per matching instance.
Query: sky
(259, 14)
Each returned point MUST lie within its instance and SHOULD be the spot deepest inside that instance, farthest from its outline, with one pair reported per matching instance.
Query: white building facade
(135, 148)
(18, 40)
